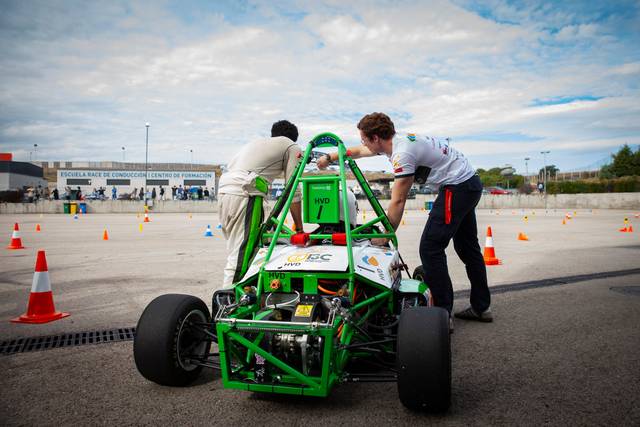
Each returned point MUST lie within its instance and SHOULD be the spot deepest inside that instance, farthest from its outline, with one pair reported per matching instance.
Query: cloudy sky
(503, 79)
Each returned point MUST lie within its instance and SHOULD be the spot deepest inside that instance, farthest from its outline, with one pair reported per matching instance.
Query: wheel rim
(190, 340)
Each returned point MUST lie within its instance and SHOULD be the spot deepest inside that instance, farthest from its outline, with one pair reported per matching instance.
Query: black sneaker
(470, 314)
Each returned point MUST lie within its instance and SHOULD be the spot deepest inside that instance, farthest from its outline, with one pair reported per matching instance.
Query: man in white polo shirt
(425, 160)
(242, 190)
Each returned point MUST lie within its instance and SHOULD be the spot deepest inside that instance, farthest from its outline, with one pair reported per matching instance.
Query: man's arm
(356, 153)
(399, 193)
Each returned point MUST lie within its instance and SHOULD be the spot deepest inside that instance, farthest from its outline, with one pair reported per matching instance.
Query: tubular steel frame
(239, 336)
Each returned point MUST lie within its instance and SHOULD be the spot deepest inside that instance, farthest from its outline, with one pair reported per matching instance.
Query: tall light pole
(146, 162)
(191, 151)
(35, 151)
(526, 168)
(123, 157)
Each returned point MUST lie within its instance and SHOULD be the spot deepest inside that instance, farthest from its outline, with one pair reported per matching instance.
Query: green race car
(312, 310)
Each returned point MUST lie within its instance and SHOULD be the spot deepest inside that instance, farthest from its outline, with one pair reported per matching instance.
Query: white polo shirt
(270, 158)
(448, 166)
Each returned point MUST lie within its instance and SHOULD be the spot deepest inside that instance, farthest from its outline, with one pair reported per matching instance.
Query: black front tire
(418, 274)
(423, 359)
(164, 337)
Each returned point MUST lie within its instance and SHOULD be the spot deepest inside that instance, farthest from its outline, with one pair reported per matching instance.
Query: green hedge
(628, 184)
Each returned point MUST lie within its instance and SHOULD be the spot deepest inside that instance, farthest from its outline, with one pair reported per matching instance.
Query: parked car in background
(497, 190)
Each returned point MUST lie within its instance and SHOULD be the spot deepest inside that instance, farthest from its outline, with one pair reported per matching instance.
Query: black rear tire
(164, 338)
(423, 359)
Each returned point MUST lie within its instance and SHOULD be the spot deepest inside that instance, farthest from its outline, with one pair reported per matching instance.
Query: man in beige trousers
(243, 187)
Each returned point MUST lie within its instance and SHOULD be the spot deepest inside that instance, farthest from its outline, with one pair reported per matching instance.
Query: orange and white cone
(105, 235)
(16, 241)
(41, 308)
(146, 217)
(523, 236)
(37, 228)
(626, 229)
(489, 250)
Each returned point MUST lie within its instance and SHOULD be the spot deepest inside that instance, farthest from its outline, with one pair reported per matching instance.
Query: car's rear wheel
(167, 340)
(423, 359)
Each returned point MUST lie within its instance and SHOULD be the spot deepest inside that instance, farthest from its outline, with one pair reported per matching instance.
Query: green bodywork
(241, 334)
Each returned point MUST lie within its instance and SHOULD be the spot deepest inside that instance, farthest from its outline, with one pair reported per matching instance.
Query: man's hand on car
(323, 161)
(380, 241)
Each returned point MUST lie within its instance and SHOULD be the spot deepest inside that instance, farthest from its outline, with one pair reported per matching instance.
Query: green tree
(551, 170)
(626, 162)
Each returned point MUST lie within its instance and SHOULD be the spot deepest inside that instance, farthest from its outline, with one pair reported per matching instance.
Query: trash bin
(83, 208)
(428, 205)
(73, 208)
(67, 208)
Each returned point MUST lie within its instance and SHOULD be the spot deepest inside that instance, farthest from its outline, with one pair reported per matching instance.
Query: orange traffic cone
(37, 228)
(523, 236)
(489, 250)
(625, 229)
(105, 235)
(16, 241)
(41, 308)
(564, 221)
(146, 217)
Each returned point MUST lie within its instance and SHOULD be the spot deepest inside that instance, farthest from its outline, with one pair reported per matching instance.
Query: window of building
(195, 182)
(157, 182)
(118, 182)
(77, 181)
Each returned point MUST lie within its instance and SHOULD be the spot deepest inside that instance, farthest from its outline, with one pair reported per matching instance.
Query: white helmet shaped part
(353, 207)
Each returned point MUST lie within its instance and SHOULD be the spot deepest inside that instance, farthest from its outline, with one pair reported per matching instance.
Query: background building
(19, 175)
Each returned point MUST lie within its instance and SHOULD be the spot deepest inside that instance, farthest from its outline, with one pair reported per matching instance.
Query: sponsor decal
(398, 170)
(370, 260)
(366, 269)
(411, 137)
(296, 260)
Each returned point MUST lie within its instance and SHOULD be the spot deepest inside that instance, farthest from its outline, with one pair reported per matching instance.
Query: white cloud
(90, 78)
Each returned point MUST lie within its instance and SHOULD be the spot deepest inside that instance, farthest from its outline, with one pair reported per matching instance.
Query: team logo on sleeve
(411, 137)
(397, 167)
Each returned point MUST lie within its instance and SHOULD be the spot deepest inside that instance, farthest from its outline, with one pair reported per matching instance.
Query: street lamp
(146, 162)
(123, 157)
(526, 168)
(35, 151)
(191, 151)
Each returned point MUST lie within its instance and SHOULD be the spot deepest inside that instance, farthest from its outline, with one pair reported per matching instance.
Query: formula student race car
(313, 310)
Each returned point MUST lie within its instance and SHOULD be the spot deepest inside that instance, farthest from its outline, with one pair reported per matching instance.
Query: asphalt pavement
(559, 352)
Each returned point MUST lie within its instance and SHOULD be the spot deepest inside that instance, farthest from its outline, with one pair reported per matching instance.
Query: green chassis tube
(240, 335)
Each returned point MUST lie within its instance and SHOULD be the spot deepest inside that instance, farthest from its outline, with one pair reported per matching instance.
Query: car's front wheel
(423, 359)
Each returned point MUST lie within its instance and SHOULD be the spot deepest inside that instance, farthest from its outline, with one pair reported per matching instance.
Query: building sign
(135, 174)
(126, 181)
